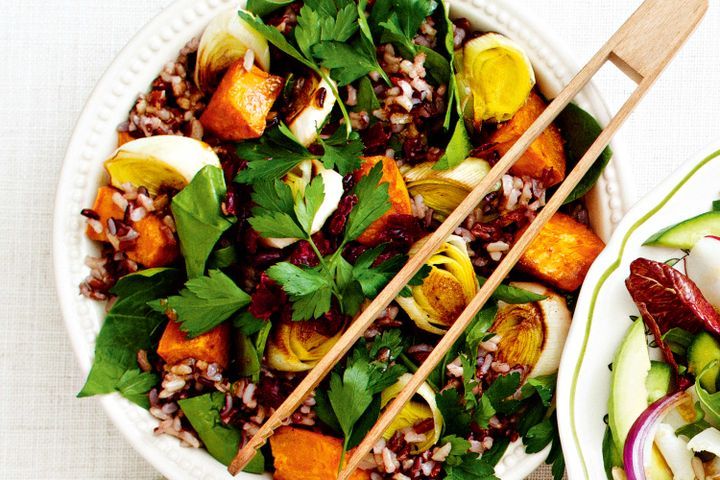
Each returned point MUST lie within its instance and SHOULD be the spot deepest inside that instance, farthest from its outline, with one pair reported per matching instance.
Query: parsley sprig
(351, 403)
(323, 36)
(279, 214)
(278, 151)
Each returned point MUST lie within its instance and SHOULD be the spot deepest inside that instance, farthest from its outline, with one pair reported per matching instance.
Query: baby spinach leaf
(199, 219)
(457, 150)
(263, 7)
(580, 129)
(206, 302)
(135, 384)
(221, 441)
(223, 257)
(249, 351)
(129, 326)
(512, 295)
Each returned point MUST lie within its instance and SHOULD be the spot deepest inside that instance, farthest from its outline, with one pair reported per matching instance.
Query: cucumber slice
(683, 235)
(703, 350)
(658, 380)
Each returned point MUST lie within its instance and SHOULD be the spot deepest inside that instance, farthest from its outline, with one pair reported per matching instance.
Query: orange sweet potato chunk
(239, 106)
(562, 253)
(156, 245)
(123, 138)
(397, 190)
(106, 209)
(302, 454)
(545, 159)
(212, 346)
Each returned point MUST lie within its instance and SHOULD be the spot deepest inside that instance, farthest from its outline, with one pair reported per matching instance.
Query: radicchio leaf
(667, 298)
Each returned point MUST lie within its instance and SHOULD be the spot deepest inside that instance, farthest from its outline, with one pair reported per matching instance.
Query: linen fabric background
(56, 50)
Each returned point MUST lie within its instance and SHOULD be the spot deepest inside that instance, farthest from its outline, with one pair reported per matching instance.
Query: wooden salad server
(641, 49)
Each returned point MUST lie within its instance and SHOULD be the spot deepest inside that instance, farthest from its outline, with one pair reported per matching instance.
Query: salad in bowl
(664, 406)
(274, 177)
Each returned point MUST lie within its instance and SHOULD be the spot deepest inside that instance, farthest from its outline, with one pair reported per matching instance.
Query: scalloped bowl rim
(93, 138)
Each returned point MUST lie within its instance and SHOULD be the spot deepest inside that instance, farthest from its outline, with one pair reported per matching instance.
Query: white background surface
(55, 51)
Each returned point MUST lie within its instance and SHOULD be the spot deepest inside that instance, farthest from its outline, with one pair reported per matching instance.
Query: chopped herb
(416, 280)
(342, 152)
(206, 302)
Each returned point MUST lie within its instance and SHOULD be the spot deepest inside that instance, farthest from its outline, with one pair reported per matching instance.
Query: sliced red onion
(642, 434)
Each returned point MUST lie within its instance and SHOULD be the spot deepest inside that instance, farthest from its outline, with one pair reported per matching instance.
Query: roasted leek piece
(227, 39)
(445, 292)
(495, 77)
(443, 190)
(422, 407)
(533, 334)
(298, 346)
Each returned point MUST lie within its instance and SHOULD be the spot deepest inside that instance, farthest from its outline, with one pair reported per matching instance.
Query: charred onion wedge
(227, 39)
(445, 292)
(298, 346)
(443, 190)
(312, 100)
(533, 334)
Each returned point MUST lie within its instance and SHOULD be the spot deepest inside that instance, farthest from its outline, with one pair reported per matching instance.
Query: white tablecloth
(55, 51)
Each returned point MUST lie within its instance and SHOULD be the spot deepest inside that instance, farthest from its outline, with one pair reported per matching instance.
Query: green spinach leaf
(457, 150)
(129, 326)
(199, 219)
(263, 7)
(221, 441)
(580, 129)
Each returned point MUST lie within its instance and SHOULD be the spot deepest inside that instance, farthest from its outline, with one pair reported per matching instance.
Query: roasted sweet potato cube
(308, 455)
(562, 253)
(239, 106)
(212, 346)
(123, 138)
(156, 245)
(106, 209)
(545, 159)
(399, 196)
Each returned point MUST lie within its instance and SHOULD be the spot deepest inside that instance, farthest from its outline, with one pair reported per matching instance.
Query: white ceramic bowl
(94, 138)
(602, 313)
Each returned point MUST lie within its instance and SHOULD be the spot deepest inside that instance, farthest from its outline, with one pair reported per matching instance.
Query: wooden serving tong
(641, 49)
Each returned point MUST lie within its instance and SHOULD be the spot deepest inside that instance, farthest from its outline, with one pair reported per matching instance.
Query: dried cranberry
(267, 299)
(339, 218)
(376, 137)
(303, 254)
(400, 230)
